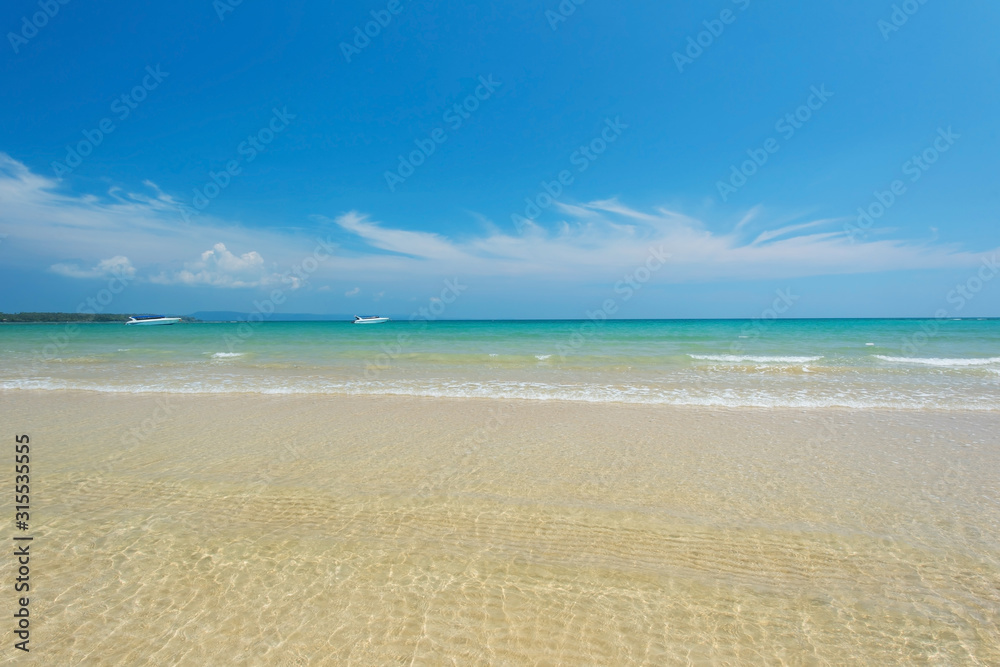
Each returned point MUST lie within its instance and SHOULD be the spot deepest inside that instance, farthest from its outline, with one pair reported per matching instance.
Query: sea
(729, 492)
(906, 364)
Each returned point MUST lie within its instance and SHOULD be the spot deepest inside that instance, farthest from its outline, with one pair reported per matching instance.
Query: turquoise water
(906, 364)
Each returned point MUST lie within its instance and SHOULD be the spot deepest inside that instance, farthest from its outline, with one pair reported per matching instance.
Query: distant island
(201, 316)
(235, 316)
(69, 317)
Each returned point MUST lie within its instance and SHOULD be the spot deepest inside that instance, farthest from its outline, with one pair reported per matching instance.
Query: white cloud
(50, 226)
(115, 266)
(219, 267)
(352, 292)
(415, 244)
(602, 239)
(587, 242)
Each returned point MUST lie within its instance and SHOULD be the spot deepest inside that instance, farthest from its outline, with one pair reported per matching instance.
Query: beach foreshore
(208, 528)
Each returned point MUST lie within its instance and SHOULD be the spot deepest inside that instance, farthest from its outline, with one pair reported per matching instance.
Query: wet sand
(212, 529)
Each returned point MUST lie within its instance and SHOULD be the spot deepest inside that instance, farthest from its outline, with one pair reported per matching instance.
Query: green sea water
(906, 364)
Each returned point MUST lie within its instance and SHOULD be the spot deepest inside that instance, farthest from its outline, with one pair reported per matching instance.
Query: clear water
(335, 522)
(906, 364)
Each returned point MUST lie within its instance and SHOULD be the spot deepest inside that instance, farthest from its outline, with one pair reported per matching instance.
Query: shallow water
(203, 529)
(903, 364)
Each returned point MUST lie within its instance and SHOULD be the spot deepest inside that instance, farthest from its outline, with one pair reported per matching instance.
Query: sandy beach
(201, 529)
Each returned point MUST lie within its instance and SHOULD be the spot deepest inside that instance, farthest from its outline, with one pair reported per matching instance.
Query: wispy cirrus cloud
(115, 266)
(580, 242)
(56, 227)
(607, 236)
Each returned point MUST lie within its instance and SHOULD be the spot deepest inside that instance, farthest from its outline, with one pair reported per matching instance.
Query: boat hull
(149, 323)
(374, 320)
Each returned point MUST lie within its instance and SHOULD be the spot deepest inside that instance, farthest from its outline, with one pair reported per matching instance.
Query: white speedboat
(370, 319)
(147, 320)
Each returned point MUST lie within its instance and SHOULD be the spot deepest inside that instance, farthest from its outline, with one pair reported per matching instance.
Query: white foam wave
(226, 355)
(934, 361)
(539, 391)
(542, 357)
(736, 358)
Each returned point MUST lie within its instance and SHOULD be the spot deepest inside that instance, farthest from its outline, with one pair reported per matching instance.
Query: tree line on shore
(70, 317)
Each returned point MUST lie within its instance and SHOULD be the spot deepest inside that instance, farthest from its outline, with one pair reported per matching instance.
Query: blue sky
(301, 131)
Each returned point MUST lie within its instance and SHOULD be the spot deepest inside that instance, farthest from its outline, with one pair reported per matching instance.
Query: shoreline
(314, 396)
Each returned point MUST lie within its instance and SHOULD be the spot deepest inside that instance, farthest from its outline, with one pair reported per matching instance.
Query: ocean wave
(226, 355)
(737, 358)
(934, 361)
(746, 397)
